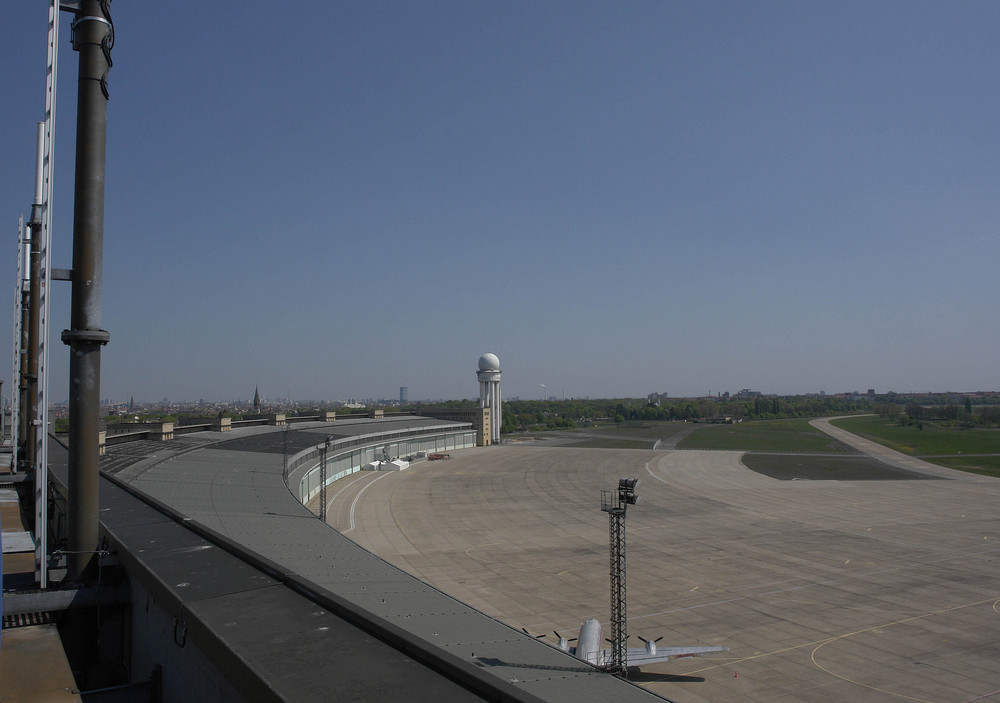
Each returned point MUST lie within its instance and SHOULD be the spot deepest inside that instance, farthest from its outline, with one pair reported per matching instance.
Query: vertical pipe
(34, 302)
(22, 386)
(31, 375)
(91, 28)
(40, 165)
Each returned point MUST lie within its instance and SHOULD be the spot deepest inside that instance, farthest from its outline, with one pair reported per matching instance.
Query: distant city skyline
(615, 199)
(722, 396)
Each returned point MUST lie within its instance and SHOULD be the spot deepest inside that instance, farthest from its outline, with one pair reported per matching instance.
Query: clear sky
(335, 199)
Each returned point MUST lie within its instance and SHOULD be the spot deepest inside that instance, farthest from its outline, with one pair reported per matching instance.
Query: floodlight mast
(324, 449)
(615, 505)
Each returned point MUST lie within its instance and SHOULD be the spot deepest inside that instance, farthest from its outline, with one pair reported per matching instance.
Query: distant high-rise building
(489, 392)
(256, 399)
(404, 395)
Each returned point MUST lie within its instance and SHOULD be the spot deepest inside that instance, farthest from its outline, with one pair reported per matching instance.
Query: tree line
(526, 415)
(962, 414)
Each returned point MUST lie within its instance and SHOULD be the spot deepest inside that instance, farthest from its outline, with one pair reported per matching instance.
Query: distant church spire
(256, 399)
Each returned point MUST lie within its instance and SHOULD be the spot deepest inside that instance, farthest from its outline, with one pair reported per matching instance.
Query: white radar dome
(489, 362)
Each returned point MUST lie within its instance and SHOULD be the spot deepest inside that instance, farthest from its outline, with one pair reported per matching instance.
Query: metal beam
(55, 601)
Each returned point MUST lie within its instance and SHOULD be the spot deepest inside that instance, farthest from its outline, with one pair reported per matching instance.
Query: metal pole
(92, 38)
(44, 182)
(16, 391)
(34, 301)
(284, 454)
(322, 481)
(22, 387)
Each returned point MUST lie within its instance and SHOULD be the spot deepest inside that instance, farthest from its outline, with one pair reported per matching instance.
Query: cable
(107, 44)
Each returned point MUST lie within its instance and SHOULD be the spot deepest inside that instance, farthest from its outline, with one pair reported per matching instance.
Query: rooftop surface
(234, 487)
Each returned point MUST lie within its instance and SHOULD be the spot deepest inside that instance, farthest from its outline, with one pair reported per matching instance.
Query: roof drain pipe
(93, 36)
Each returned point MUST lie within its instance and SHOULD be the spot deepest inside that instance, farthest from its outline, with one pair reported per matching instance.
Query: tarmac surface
(822, 590)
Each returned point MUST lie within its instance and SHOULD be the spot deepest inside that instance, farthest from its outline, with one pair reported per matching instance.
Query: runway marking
(800, 587)
(876, 629)
(480, 546)
(392, 514)
(827, 582)
(354, 503)
(817, 644)
(337, 494)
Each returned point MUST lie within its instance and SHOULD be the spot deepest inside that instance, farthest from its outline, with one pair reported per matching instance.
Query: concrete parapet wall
(187, 425)
(161, 431)
(124, 437)
(248, 422)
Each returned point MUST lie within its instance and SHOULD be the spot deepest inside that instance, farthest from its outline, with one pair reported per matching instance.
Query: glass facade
(344, 462)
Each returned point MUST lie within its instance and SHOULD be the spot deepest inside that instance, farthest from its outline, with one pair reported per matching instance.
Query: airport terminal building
(219, 584)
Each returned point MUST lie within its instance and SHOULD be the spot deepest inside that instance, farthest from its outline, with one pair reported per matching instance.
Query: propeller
(563, 642)
(537, 637)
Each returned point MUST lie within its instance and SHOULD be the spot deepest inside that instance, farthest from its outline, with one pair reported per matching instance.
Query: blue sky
(333, 199)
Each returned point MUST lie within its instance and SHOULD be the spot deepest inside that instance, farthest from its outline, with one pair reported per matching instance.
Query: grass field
(986, 465)
(652, 430)
(800, 467)
(945, 446)
(767, 435)
(930, 440)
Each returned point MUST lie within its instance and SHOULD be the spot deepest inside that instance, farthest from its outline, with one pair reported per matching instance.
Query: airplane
(588, 648)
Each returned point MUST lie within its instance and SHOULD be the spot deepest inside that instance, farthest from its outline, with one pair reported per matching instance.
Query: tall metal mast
(324, 450)
(615, 504)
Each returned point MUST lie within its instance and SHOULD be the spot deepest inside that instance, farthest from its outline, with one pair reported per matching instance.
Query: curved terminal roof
(252, 551)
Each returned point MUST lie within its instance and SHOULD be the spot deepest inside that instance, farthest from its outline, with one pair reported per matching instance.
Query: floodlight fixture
(626, 490)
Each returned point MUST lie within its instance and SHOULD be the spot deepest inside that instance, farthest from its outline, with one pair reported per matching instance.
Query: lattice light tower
(615, 503)
(324, 449)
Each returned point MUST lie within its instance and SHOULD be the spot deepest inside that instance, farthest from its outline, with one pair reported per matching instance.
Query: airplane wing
(588, 648)
(638, 656)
